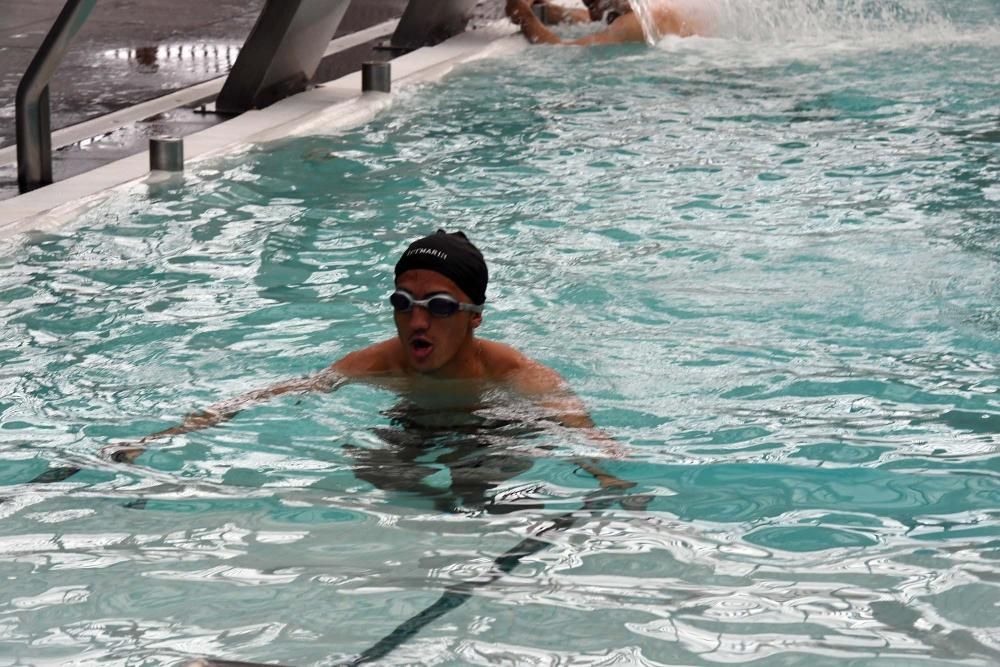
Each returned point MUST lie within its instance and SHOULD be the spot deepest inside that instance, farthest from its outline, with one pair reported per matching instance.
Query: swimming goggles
(439, 305)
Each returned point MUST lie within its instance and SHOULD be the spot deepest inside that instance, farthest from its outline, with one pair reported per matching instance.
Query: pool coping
(95, 127)
(336, 105)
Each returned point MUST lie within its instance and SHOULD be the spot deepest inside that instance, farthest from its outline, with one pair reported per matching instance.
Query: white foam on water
(644, 11)
(837, 25)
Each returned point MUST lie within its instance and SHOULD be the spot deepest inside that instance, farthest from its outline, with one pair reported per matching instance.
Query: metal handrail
(34, 135)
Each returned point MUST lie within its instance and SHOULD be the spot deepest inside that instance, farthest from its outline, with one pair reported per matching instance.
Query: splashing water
(644, 12)
(797, 20)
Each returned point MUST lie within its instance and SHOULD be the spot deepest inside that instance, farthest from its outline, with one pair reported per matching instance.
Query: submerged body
(439, 368)
(454, 454)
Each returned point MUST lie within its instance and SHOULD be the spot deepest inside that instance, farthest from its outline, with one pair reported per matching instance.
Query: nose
(420, 318)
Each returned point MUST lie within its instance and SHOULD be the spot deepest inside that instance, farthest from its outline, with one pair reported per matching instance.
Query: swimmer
(671, 17)
(435, 361)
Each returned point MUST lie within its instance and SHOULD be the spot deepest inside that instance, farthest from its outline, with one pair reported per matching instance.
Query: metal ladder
(34, 135)
(279, 57)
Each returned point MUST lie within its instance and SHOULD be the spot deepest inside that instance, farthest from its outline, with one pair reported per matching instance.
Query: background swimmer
(668, 17)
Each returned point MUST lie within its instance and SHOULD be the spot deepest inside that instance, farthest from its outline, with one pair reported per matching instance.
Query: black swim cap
(453, 256)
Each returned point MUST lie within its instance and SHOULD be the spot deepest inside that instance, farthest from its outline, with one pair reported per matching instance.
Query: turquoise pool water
(767, 262)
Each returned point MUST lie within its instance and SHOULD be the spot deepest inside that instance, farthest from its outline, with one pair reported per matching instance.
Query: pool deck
(138, 68)
(330, 106)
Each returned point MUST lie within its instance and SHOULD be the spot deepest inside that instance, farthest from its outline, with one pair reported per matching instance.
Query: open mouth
(421, 348)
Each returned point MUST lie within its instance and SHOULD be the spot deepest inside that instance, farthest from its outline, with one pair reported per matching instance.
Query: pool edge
(53, 206)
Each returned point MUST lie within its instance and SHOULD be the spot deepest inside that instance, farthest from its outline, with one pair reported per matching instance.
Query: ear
(475, 320)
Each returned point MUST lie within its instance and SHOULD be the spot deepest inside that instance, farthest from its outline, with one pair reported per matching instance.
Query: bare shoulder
(625, 29)
(377, 359)
(506, 364)
(674, 19)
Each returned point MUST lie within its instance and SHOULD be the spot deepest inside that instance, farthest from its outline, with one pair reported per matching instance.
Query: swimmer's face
(434, 345)
(598, 8)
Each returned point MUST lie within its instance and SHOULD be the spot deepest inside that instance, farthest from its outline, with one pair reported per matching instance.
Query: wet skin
(430, 359)
(437, 346)
(669, 19)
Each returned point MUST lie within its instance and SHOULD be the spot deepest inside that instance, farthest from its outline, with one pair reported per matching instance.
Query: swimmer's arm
(552, 392)
(357, 364)
(326, 380)
(519, 12)
(625, 29)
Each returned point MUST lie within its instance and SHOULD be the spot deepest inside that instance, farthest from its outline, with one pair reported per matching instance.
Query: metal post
(45, 135)
(166, 154)
(34, 139)
(376, 77)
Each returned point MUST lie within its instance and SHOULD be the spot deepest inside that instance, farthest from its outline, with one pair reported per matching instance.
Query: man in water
(439, 366)
(670, 17)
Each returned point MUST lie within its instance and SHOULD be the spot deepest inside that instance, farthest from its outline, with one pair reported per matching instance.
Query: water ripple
(765, 261)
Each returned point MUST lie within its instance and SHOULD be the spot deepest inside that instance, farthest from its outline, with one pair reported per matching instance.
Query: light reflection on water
(191, 58)
(771, 275)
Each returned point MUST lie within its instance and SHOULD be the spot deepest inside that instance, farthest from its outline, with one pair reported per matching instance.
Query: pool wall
(333, 106)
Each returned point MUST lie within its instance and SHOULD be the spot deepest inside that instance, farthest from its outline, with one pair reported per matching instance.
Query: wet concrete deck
(130, 51)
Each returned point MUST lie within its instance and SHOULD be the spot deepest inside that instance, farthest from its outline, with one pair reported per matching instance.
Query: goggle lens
(401, 301)
(438, 306)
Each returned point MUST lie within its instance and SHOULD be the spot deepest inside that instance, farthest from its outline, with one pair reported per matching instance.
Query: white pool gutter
(332, 107)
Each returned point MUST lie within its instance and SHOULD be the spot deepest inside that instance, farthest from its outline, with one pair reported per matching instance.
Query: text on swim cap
(440, 254)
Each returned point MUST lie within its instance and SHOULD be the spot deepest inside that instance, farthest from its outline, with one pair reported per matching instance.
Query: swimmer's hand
(553, 14)
(128, 452)
(519, 11)
(617, 487)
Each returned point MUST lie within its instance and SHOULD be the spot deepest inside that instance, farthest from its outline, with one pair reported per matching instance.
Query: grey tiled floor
(127, 52)
(130, 51)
